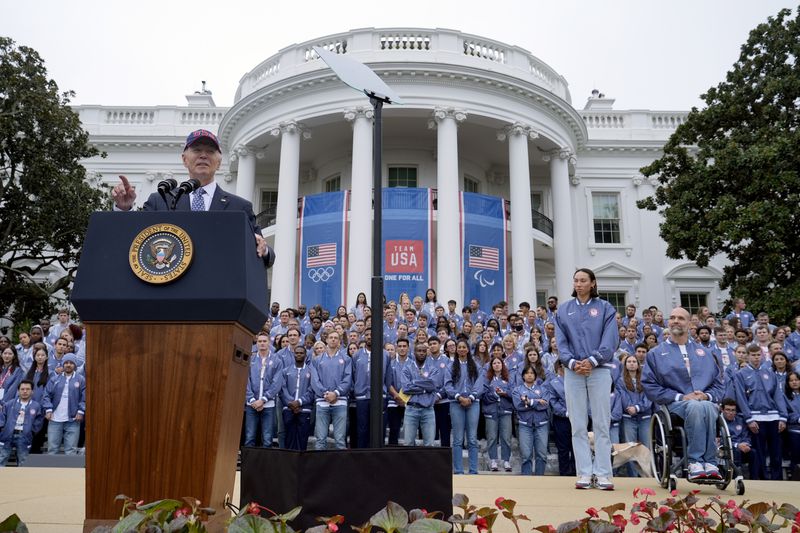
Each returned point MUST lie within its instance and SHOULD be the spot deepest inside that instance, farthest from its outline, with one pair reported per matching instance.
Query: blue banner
(483, 230)
(322, 250)
(407, 215)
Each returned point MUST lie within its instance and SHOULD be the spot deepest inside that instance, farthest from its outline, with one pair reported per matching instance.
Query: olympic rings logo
(321, 274)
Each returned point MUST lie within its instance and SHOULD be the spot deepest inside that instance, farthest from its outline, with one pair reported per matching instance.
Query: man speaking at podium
(202, 157)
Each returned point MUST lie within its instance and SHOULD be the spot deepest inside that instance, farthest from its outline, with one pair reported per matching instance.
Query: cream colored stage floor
(52, 499)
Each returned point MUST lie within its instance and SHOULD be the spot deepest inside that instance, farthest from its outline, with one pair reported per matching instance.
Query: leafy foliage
(730, 175)
(45, 201)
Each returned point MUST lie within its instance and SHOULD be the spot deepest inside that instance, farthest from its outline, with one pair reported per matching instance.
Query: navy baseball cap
(202, 134)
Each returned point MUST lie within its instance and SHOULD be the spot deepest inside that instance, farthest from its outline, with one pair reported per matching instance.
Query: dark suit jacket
(221, 201)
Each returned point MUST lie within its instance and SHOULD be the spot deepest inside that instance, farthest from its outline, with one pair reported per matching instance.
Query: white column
(359, 263)
(522, 266)
(448, 253)
(563, 233)
(284, 279)
(246, 172)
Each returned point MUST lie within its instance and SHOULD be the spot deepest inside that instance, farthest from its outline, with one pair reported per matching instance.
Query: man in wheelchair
(687, 378)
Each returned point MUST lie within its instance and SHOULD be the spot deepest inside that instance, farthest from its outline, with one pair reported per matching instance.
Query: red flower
(591, 511)
(253, 508)
(551, 529)
(701, 511)
(183, 511)
(648, 491)
(737, 514)
(797, 518)
(499, 502)
(689, 530)
(674, 493)
(636, 492)
(663, 510)
(619, 521)
(482, 524)
(424, 511)
(634, 519)
(332, 526)
(731, 504)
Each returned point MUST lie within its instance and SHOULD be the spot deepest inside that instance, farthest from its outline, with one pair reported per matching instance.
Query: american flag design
(484, 257)
(318, 255)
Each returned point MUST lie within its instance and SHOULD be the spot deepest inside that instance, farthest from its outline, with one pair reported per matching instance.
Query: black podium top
(225, 281)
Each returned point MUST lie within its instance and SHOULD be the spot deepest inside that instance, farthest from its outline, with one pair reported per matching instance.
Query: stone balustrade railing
(633, 120)
(406, 45)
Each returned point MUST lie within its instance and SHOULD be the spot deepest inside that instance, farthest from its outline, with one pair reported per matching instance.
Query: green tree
(45, 201)
(729, 180)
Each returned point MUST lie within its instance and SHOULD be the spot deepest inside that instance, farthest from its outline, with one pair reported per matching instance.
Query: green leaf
(429, 525)
(253, 524)
(13, 523)
(460, 500)
(130, 523)
(662, 522)
(160, 505)
(288, 516)
(390, 518)
(600, 526)
(177, 524)
(569, 527)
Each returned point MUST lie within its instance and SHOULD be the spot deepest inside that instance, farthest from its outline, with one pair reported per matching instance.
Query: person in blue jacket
(587, 336)
(396, 407)
(20, 419)
(464, 386)
(64, 403)
(263, 388)
(793, 427)
(331, 379)
(743, 451)
(762, 402)
(531, 402)
(10, 373)
(497, 412)
(420, 383)
(637, 409)
(362, 365)
(687, 378)
(562, 431)
(297, 398)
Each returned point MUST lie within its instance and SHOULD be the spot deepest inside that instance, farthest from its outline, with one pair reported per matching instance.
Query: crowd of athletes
(452, 377)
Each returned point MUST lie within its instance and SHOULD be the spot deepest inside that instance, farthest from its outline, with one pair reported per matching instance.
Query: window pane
(617, 299)
(536, 201)
(471, 184)
(402, 177)
(692, 301)
(333, 184)
(269, 202)
(605, 213)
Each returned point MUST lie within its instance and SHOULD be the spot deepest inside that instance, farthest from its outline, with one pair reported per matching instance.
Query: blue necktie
(197, 200)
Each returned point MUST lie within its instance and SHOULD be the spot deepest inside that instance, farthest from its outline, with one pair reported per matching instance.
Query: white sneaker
(494, 466)
(696, 471)
(604, 483)
(584, 482)
(507, 466)
(712, 471)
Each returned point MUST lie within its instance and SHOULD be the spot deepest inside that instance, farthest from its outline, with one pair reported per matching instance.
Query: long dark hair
(15, 361)
(472, 368)
(45, 375)
(627, 375)
(593, 293)
(538, 367)
(503, 371)
(786, 389)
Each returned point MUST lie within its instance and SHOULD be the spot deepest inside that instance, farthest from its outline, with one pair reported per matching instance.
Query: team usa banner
(322, 249)
(483, 233)
(407, 216)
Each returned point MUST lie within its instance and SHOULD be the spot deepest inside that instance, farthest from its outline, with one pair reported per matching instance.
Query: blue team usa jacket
(9, 412)
(666, 378)
(587, 331)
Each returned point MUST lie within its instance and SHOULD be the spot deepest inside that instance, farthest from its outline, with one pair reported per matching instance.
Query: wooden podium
(167, 362)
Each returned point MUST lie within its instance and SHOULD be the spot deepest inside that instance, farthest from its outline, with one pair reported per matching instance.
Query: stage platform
(51, 500)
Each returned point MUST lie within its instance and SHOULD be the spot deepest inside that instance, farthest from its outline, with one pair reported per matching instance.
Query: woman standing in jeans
(464, 386)
(587, 336)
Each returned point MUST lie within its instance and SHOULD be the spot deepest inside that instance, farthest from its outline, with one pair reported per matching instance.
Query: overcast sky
(646, 54)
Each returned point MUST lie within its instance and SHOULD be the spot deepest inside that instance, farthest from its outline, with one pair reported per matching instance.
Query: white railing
(667, 120)
(201, 117)
(122, 116)
(404, 45)
(604, 120)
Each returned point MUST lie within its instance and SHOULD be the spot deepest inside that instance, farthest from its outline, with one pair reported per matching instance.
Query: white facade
(477, 113)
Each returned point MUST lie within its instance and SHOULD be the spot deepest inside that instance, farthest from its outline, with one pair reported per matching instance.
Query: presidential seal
(160, 253)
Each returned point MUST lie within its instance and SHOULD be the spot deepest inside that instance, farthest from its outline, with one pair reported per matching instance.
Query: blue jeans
(498, 427)
(336, 415)
(700, 425)
(252, 419)
(18, 442)
(464, 420)
(298, 428)
(419, 418)
(635, 430)
(68, 432)
(533, 442)
(581, 391)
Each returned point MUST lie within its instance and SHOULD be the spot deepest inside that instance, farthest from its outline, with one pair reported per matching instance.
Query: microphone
(166, 186)
(186, 187)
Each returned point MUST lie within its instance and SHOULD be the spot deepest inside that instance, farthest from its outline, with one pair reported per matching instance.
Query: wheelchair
(669, 461)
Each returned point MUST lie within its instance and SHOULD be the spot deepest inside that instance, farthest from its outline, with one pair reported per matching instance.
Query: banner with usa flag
(322, 249)
(483, 239)
(407, 216)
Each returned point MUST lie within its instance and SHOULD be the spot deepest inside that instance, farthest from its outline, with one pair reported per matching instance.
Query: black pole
(376, 430)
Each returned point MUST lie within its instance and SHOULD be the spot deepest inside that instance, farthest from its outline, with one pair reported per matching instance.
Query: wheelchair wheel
(661, 452)
(739, 487)
(725, 452)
